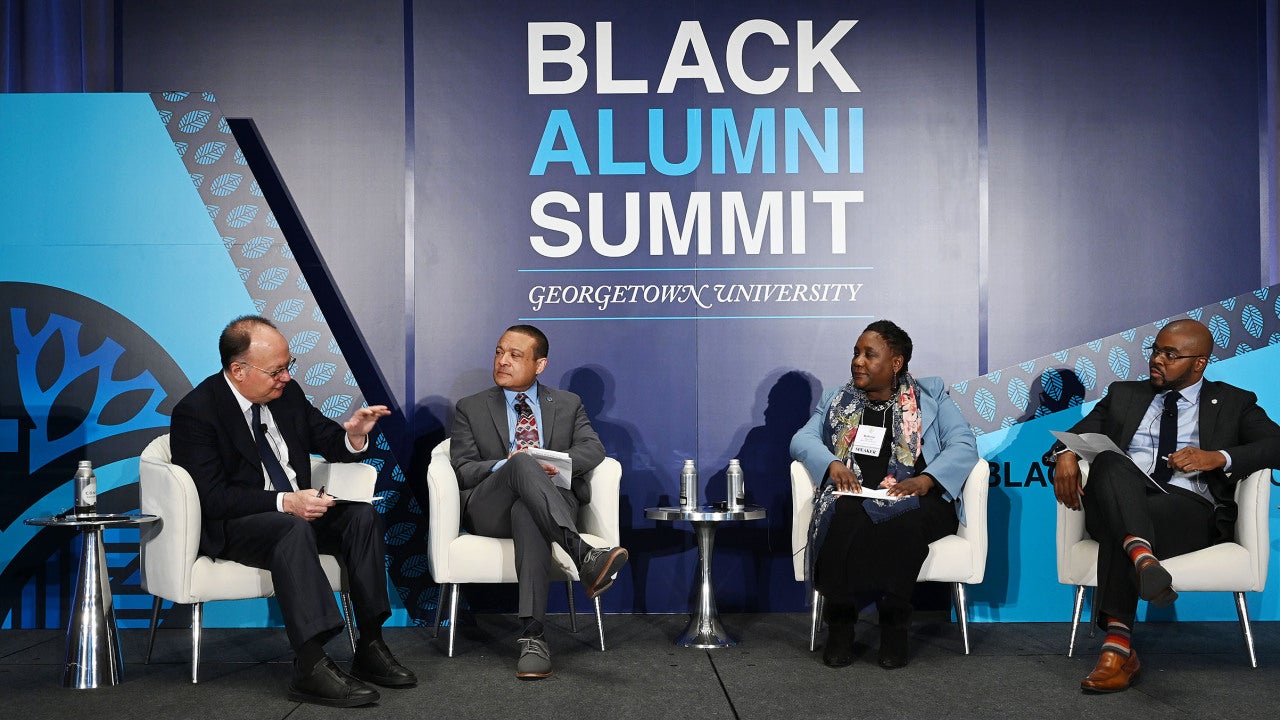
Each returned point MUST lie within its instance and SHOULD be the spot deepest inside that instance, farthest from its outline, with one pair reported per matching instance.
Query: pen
(322, 487)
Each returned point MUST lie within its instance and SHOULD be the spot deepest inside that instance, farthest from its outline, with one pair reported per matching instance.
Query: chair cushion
(226, 580)
(478, 559)
(950, 559)
(1224, 567)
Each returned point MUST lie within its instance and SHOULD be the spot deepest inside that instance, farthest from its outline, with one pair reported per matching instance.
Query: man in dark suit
(506, 493)
(1197, 438)
(246, 435)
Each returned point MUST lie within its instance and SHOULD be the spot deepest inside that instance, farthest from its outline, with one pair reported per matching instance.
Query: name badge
(868, 440)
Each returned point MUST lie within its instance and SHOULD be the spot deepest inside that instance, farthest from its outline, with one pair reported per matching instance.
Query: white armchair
(1236, 567)
(959, 559)
(456, 557)
(174, 570)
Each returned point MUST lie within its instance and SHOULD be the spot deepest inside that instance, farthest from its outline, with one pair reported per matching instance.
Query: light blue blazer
(948, 444)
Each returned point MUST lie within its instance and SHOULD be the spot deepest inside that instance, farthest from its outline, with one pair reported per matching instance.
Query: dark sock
(310, 654)
(532, 628)
(574, 545)
(837, 613)
(370, 631)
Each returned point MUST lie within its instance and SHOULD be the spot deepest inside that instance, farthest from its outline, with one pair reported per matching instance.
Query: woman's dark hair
(896, 338)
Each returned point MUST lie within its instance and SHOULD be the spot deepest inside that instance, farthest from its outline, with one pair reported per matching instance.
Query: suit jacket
(211, 440)
(479, 437)
(948, 445)
(1230, 419)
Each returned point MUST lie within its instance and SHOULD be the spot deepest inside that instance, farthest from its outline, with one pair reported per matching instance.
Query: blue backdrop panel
(118, 277)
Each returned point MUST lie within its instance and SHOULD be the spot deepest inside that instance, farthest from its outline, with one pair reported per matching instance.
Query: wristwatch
(1051, 457)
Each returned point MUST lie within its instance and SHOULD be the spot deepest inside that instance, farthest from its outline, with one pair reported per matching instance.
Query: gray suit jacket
(479, 437)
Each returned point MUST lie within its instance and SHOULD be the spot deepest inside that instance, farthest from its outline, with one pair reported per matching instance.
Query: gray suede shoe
(535, 659)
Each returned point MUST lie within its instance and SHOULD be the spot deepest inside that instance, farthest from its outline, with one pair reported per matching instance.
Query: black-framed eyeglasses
(273, 374)
(1168, 354)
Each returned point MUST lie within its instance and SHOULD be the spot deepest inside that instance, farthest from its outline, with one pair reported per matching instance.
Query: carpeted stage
(1017, 670)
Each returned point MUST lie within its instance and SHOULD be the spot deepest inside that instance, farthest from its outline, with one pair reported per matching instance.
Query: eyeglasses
(1169, 354)
(273, 374)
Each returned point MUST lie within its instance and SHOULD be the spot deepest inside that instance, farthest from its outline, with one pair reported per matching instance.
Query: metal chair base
(958, 598)
(453, 590)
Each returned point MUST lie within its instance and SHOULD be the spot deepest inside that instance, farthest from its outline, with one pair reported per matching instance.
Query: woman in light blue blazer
(884, 433)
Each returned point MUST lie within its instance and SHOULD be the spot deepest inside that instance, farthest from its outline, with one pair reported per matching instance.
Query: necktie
(274, 470)
(526, 424)
(1168, 437)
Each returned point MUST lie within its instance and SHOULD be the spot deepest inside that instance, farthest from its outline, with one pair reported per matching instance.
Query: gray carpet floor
(1017, 670)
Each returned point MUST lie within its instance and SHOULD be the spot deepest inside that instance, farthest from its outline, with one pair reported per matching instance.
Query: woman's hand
(918, 485)
(843, 478)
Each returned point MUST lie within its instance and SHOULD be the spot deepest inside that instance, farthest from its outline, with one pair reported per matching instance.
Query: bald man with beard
(1188, 442)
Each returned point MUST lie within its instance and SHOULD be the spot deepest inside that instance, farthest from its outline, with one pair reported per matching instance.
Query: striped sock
(1117, 640)
(1138, 549)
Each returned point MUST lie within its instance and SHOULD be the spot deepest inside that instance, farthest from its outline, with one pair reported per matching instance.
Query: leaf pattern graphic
(1251, 319)
(1229, 304)
(194, 121)
(1118, 359)
(174, 97)
(1221, 330)
(320, 374)
(225, 184)
(1019, 393)
(1095, 345)
(287, 310)
(336, 406)
(400, 533)
(257, 247)
(241, 215)
(210, 152)
(1051, 381)
(1129, 334)
(272, 278)
(414, 566)
(1062, 355)
(985, 403)
(1028, 366)
(1087, 372)
(304, 342)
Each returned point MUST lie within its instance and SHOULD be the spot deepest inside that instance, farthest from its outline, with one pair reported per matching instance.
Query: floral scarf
(838, 430)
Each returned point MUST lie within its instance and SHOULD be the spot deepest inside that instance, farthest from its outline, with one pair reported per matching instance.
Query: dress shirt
(534, 405)
(1144, 446)
(276, 441)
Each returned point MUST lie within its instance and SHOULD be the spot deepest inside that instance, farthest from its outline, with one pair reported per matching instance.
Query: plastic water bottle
(733, 479)
(86, 489)
(689, 485)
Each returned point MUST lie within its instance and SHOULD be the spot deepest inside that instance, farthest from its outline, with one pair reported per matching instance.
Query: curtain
(58, 45)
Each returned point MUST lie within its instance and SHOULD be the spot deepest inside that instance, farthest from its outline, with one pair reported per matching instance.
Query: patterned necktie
(526, 424)
(275, 470)
(1168, 437)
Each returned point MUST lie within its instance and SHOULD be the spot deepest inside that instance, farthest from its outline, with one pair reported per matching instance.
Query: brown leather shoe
(1113, 673)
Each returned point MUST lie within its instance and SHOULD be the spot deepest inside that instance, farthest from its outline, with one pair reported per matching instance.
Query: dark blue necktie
(1168, 437)
(274, 470)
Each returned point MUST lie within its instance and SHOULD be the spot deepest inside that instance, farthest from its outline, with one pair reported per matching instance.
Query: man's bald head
(1180, 355)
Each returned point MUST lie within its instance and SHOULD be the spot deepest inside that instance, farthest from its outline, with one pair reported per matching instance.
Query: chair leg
(349, 617)
(453, 614)
(815, 620)
(962, 612)
(573, 613)
(197, 614)
(599, 622)
(1243, 611)
(1076, 609)
(439, 606)
(155, 620)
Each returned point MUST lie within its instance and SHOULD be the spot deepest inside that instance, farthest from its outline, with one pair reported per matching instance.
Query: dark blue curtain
(58, 45)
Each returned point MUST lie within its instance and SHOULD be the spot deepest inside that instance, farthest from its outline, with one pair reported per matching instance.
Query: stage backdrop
(703, 205)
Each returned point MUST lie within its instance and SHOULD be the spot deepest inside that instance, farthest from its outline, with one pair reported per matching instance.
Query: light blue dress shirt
(512, 415)
(1146, 440)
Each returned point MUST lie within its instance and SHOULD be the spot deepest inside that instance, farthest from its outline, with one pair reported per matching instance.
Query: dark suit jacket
(1230, 419)
(479, 437)
(211, 440)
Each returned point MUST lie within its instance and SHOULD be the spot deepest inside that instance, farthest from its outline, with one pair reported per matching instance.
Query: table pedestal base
(704, 629)
(93, 656)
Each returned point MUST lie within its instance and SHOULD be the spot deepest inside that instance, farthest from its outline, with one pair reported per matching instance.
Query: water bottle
(733, 479)
(689, 485)
(86, 489)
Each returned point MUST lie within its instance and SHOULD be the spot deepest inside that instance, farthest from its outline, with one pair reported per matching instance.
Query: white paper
(562, 463)
(1089, 445)
(877, 493)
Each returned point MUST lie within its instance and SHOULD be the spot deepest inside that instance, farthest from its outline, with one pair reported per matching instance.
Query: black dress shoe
(374, 663)
(326, 684)
(1155, 584)
(598, 568)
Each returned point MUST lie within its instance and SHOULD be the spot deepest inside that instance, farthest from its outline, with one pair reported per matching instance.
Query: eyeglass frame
(1167, 353)
(289, 368)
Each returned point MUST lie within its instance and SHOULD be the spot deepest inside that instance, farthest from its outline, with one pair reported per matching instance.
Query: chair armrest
(170, 545)
(974, 529)
(1070, 529)
(1253, 524)
(801, 513)
(344, 480)
(444, 513)
(600, 516)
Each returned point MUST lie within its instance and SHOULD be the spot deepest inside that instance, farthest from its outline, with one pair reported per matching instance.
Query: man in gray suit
(506, 493)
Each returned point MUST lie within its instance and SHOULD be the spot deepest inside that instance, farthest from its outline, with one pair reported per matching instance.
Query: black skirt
(860, 560)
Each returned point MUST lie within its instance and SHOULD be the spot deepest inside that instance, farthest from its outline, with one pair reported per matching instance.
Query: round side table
(93, 657)
(704, 629)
